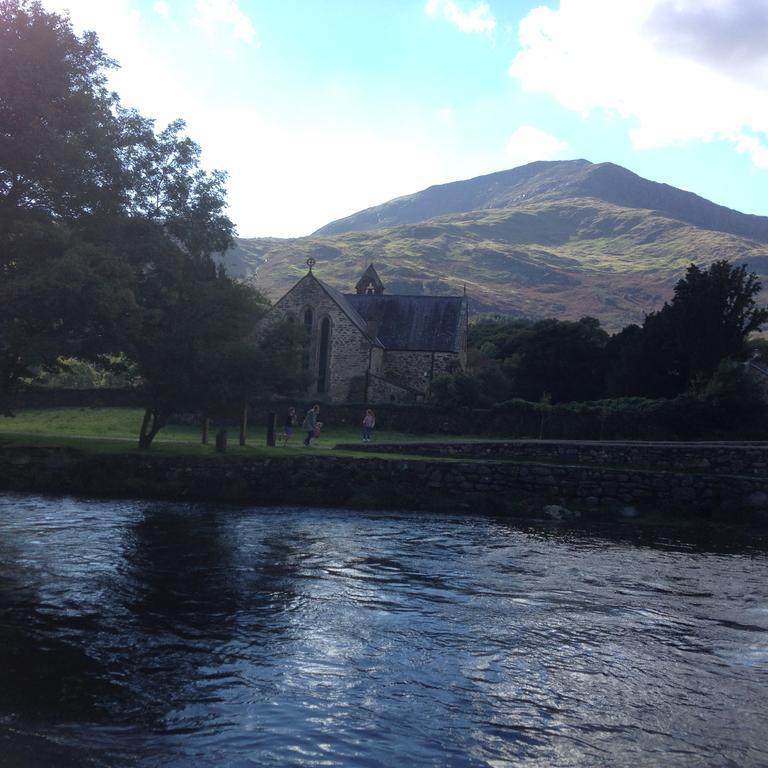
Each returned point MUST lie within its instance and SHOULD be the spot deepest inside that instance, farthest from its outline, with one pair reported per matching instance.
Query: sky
(320, 108)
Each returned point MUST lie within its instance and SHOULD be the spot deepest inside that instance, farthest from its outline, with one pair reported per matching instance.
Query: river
(159, 634)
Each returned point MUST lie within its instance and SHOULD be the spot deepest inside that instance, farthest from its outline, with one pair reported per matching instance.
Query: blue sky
(319, 108)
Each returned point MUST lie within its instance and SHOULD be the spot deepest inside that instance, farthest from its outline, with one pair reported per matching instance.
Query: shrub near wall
(50, 397)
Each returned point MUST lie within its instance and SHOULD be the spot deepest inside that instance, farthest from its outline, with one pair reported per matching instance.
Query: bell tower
(370, 283)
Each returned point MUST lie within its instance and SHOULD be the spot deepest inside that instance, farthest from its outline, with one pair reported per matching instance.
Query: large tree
(107, 228)
(563, 359)
(61, 290)
(193, 322)
(708, 319)
(57, 120)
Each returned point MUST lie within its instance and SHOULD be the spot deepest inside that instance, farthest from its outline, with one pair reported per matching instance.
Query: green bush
(729, 407)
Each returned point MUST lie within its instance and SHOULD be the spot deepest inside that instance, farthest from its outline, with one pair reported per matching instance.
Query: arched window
(323, 355)
(309, 317)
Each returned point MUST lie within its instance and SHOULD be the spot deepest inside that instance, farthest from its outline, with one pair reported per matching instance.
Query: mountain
(549, 239)
(556, 180)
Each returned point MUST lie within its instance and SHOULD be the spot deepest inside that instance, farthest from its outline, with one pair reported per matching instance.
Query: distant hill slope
(555, 180)
(549, 239)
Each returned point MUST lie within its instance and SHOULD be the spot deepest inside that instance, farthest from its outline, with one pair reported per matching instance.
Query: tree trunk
(243, 423)
(148, 433)
(144, 442)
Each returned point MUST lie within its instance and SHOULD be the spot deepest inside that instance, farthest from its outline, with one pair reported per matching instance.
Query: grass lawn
(116, 430)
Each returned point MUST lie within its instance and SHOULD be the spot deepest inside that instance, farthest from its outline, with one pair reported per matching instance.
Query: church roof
(428, 323)
(405, 323)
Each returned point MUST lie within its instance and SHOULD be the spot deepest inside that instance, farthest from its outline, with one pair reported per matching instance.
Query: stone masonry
(481, 486)
(423, 337)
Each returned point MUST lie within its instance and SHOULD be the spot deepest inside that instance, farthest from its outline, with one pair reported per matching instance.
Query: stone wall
(349, 347)
(748, 458)
(482, 486)
(417, 369)
(381, 390)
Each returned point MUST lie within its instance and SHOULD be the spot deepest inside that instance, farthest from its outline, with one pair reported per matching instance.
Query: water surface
(144, 634)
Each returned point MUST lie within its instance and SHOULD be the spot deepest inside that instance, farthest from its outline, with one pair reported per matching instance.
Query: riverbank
(513, 487)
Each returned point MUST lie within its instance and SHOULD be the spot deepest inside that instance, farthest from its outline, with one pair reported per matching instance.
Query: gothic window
(323, 355)
(309, 317)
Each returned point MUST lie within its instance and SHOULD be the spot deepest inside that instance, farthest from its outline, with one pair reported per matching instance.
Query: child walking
(369, 422)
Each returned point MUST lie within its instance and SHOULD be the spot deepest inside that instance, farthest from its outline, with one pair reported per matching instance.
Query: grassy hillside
(548, 257)
(563, 180)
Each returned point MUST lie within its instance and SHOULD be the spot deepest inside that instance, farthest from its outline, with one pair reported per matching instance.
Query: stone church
(372, 347)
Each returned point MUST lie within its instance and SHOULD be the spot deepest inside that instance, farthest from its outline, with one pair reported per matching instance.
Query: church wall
(446, 362)
(384, 391)
(377, 361)
(416, 369)
(397, 375)
(349, 347)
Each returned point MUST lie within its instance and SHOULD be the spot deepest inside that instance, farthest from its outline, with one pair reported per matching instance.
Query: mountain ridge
(608, 182)
(549, 239)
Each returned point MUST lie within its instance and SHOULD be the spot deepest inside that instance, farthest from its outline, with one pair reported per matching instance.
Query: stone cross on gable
(310, 263)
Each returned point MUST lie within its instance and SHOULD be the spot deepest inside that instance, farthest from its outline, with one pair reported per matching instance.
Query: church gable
(337, 352)
(372, 347)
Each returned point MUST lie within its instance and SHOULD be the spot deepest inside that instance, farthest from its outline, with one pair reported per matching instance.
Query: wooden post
(204, 429)
(271, 421)
(244, 423)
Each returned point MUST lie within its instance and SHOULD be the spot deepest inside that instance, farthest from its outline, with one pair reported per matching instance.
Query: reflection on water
(139, 634)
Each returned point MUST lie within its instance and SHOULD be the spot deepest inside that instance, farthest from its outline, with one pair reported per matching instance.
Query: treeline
(108, 229)
(689, 352)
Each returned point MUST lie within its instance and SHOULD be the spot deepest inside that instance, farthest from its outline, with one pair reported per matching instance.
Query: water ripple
(145, 635)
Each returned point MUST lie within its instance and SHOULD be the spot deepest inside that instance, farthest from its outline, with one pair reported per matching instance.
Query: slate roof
(424, 323)
(349, 310)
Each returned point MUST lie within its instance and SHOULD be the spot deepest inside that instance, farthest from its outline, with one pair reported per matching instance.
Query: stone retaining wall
(332, 480)
(749, 458)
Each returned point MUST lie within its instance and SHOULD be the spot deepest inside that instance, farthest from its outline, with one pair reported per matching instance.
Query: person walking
(369, 422)
(288, 425)
(309, 425)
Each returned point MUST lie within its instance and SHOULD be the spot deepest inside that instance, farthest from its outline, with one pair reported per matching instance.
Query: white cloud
(212, 15)
(478, 19)
(617, 57)
(757, 150)
(161, 8)
(529, 143)
(118, 23)
(726, 35)
(294, 178)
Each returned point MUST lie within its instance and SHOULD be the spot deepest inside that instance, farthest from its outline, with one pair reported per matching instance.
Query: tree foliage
(709, 319)
(522, 359)
(107, 233)
(677, 349)
(563, 358)
(57, 123)
(60, 290)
